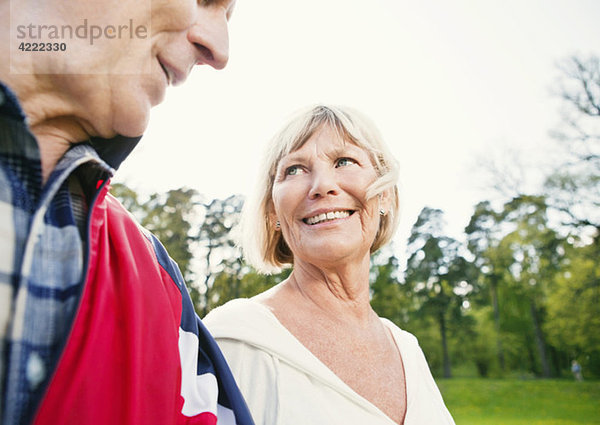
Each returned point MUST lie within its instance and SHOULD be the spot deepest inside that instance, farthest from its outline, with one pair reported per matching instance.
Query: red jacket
(137, 353)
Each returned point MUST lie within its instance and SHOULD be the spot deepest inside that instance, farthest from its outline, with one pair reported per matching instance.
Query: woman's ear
(272, 216)
(385, 201)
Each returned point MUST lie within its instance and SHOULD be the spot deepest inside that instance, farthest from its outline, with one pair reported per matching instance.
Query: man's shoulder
(124, 221)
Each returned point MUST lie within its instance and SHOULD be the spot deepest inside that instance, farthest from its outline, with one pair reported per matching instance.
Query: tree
(438, 273)
(217, 246)
(574, 308)
(227, 287)
(574, 188)
(491, 262)
(170, 217)
(536, 258)
(389, 297)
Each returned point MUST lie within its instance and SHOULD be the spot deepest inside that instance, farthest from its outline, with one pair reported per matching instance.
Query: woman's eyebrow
(293, 157)
(345, 150)
(340, 151)
(337, 152)
(287, 161)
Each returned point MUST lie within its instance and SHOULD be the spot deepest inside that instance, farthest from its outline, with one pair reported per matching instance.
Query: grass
(521, 402)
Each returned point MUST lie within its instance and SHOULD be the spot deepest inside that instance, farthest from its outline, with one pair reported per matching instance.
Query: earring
(277, 225)
(381, 212)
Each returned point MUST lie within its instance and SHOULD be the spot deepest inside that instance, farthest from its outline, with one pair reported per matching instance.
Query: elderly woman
(96, 326)
(311, 350)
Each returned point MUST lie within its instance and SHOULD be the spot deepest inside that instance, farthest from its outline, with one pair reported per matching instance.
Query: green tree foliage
(217, 248)
(170, 217)
(574, 308)
(439, 275)
(249, 283)
(536, 257)
(391, 298)
(517, 256)
(491, 262)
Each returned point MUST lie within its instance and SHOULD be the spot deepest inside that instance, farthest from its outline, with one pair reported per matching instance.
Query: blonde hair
(264, 247)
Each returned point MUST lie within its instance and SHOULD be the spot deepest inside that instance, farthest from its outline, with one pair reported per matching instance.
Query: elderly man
(95, 321)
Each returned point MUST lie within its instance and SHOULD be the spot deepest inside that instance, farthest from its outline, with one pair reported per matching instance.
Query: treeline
(517, 294)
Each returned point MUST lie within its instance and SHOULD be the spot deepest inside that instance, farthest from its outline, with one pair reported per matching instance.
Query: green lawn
(521, 402)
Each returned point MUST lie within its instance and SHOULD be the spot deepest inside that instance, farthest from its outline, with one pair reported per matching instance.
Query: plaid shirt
(125, 346)
(41, 258)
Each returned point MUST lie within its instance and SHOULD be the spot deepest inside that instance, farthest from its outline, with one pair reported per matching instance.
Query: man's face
(153, 46)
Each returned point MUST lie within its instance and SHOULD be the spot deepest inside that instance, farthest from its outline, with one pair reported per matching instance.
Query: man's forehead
(228, 5)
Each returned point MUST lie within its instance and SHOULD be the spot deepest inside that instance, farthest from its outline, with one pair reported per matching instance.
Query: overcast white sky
(444, 80)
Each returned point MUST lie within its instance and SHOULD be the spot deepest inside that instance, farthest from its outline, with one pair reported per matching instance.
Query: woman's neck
(340, 291)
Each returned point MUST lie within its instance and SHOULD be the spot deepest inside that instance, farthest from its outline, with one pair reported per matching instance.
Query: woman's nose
(323, 183)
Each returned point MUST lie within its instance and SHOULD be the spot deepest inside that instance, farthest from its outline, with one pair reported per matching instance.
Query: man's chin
(131, 123)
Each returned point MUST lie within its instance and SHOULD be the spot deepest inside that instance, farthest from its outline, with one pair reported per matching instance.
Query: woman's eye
(294, 170)
(343, 162)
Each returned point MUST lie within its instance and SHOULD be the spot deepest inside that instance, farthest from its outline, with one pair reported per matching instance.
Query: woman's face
(319, 199)
(128, 70)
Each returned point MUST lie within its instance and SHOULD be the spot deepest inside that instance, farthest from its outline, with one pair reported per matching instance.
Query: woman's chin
(332, 251)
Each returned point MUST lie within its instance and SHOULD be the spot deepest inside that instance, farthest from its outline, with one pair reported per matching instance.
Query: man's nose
(210, 36)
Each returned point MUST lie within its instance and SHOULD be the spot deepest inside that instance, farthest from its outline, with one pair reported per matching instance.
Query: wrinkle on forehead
(338, 147)
(330, 146)
(301, 155)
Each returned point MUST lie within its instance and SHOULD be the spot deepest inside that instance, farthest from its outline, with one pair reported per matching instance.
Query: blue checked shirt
(42, 255)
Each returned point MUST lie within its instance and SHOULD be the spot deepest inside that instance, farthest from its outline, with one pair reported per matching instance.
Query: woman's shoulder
(230, 307)
(399, 334)
(241, 319)
(232, 312)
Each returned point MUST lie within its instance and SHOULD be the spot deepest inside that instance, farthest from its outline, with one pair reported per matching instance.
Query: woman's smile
(327, 217)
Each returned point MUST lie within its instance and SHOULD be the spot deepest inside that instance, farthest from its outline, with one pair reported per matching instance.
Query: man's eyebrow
(207, 3)
(228, 3)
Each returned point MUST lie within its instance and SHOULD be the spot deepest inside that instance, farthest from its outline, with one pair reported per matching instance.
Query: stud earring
(381, 212)
(277, 225)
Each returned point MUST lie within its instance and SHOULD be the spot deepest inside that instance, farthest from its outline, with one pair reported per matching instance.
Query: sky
(451, 85)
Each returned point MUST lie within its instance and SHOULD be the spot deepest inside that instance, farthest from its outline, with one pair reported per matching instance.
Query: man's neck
(54, 139)
(50, 116)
